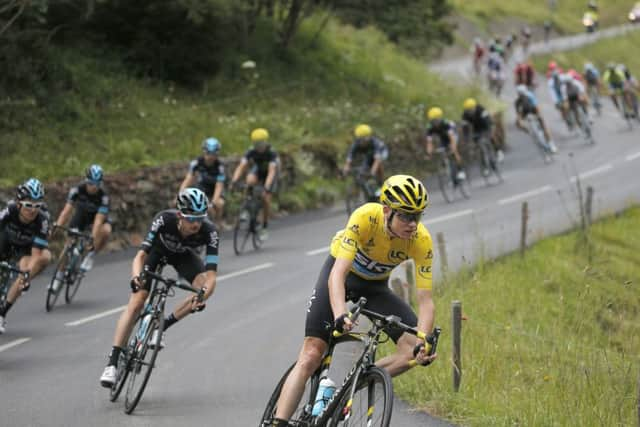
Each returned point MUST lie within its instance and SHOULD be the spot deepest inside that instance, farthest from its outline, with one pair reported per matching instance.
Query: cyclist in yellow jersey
(377, 238)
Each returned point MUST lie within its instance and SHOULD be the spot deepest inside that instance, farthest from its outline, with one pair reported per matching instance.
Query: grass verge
(551, 339)
(615, 49)
(566, 17)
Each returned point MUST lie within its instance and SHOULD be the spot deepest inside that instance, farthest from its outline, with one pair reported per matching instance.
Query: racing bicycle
(137, 360)
(247, 226)
(366, 395)
(8, 273)
(69, 264)
(447, 172)
(362, 188)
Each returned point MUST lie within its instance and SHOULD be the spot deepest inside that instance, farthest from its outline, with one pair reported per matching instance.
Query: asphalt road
(220, 366)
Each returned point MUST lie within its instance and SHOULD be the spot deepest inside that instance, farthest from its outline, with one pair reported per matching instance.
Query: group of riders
(360, 259)
(175, 236)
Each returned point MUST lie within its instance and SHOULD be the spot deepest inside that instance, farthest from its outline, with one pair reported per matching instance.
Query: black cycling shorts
(9, 251)
(188, 264)
(83, 219)
(379, 297)
(261, 175)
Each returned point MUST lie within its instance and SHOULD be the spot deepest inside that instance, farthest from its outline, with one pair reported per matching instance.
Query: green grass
(550, 340)
(313, 94)
(567, 17)
(614, 49)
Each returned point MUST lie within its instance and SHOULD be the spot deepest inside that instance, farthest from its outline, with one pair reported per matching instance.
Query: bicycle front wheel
(302, 414)
(143, 361)
(372, 402)
(121, 374)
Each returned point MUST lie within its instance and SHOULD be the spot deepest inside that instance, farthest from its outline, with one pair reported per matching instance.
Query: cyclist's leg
(381, 299)
(101, 234)
(188, 265)
(317, 331)
(15, 289)
(136, 302)
(33, 261)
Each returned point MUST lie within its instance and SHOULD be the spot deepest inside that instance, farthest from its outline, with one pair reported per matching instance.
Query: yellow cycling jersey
(375, 252)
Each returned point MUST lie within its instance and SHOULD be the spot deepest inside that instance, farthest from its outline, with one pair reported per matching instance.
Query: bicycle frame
(366, 359)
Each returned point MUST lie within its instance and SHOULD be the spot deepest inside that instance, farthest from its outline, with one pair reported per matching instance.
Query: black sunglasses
(408, 217)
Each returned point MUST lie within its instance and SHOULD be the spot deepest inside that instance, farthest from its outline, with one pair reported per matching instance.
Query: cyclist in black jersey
(446, 131)
(24, 230)
(207, 173)
(477, 120)
(91, 203)
(264, 163)
(371, 148)
(173, 238)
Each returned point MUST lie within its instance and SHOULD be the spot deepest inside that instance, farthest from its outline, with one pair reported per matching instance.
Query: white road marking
(318, 251)
(96, 316)
(448, 217)
(119, 309)
(632, 156)
(592, 172)
(525, 195)
(245, 271)
(13, 344)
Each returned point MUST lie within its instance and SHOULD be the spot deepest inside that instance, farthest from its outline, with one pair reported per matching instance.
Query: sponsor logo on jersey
(397, 256)
(425, 271)
(355, 228)
(375, 268)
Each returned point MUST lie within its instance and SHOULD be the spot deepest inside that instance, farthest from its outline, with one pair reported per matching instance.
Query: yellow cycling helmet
(404, 193)
(434, 113)
(469, 104)
(259, 134)
(363, 131)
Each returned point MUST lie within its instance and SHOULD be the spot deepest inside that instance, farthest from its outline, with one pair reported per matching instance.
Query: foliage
(417, 25)
(566, 16)
(551, 339)
(344, 77)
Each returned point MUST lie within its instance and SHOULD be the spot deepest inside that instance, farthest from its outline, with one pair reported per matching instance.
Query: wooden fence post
(442, 253)
(523, 229)
(588, 204)
(456, 320)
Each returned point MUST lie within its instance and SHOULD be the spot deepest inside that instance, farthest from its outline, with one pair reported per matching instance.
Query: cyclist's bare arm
(138, 263)
(429, 145)
(426, 318)
(188, 181)
(337, 291)
(271, 175)
(217, 191)
(65, 215)
(239, 170)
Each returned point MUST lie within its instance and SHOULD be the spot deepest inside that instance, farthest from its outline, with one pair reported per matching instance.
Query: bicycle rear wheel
(256, 233)
(242, 231)
(142, 363)
(444, 179)
(52, 295)
(73, 282)
(302, 414)
(354, 197)
(372, 402)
